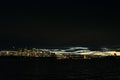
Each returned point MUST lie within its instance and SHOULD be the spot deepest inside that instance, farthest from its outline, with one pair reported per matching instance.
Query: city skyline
(63, 53)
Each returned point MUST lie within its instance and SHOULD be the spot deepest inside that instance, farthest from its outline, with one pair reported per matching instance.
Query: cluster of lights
(74, 53)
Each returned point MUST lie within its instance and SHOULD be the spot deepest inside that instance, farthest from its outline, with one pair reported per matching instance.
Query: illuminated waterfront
(68, 53)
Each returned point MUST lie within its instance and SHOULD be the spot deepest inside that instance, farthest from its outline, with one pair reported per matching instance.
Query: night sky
(59, 23)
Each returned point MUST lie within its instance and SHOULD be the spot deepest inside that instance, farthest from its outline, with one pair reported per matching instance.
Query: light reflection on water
(37, 70)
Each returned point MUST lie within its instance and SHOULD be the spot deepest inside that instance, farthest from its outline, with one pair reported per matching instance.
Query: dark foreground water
(51, 69)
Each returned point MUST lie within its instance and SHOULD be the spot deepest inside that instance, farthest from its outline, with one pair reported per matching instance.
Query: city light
(70, 53)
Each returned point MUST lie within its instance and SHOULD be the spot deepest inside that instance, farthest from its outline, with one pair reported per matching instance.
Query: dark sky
(59, 23)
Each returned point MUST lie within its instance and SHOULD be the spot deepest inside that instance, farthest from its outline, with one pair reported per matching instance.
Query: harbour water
(51, 69)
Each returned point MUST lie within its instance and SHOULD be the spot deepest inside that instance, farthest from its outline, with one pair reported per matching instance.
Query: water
(36, 69)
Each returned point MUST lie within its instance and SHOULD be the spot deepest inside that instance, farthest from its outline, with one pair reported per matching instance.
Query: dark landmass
(22, 68)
